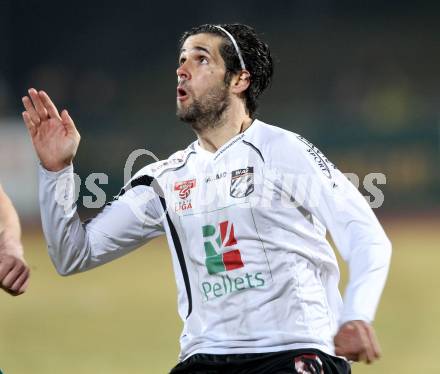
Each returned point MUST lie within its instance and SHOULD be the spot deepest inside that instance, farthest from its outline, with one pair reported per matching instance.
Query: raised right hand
(54, 136)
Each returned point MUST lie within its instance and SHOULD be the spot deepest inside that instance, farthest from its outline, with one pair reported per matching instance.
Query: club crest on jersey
(242, 182)
(184, 188)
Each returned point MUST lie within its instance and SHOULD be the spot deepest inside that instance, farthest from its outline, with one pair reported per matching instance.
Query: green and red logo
(216, 240)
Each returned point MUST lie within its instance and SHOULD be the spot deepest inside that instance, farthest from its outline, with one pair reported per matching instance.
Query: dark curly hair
(256, 56)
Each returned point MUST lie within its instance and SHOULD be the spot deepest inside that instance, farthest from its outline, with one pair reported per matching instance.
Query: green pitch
(122, 318)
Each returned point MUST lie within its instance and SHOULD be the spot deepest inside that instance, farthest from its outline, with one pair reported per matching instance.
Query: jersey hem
(231, 351)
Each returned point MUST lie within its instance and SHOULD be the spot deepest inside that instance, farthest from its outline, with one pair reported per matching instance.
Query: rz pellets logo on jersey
(218, 261)
(226, 261)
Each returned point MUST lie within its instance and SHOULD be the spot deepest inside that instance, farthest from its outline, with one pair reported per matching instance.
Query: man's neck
(213, 137)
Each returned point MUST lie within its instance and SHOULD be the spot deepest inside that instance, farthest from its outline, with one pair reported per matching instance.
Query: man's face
(202, 95)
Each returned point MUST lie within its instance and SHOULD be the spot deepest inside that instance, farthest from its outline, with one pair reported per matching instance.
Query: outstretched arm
(74, 246)
(14, 273)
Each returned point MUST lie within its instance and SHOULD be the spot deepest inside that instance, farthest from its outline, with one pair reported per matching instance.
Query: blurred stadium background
(358, 79)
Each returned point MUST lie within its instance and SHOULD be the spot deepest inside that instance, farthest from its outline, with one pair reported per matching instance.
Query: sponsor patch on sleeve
(323, 163)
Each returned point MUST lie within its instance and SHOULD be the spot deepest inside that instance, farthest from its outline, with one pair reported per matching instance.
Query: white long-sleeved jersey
(246, 227)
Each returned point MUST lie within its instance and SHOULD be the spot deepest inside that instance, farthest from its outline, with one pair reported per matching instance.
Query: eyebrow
(198, 48)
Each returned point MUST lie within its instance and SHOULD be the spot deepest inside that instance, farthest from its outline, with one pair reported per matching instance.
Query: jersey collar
(214, 156)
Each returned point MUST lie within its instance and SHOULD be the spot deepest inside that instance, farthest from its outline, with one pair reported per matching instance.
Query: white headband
(229, 35)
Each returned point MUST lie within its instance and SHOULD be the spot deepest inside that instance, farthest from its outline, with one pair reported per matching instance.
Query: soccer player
(245, 209)
(14, 273)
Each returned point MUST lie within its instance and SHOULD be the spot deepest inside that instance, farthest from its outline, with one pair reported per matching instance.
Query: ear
(240, 82)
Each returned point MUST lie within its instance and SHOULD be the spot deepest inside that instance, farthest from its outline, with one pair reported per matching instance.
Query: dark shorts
(299, 361)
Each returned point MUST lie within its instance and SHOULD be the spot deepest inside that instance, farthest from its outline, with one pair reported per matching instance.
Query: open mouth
(181, 94)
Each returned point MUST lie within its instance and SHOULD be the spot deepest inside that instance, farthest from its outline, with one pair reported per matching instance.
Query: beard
(207, 111)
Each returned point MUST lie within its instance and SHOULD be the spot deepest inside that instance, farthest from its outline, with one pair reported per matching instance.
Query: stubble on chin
(207, 112)
(189, 113)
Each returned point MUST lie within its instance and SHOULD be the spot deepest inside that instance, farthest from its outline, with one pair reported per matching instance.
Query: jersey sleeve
(325, 192)
(123, 225)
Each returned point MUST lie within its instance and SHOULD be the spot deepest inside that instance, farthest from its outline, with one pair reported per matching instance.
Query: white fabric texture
(246, 228)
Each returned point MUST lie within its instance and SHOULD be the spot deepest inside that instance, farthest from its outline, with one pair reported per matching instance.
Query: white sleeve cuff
(55, 174)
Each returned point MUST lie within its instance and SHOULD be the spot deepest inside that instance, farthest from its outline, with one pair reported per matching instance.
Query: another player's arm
(72, 245)
(361, 241)
(14, 273)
